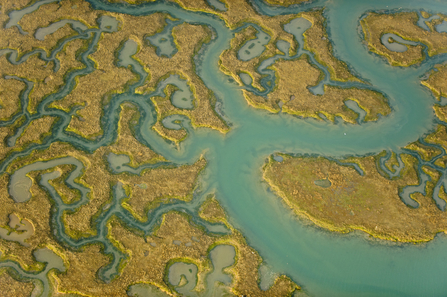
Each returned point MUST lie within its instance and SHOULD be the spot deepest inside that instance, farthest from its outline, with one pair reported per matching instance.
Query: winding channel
(325, 264)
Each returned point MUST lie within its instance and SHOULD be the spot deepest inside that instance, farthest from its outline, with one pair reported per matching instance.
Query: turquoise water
(21, 230)
(42, 32)
(325, 264)
(253, 47)
(324, 183)
(246, 78)
(283, 46)
(164, 41)
(422, 21)
(145, 290)
(125, 59)
(221, 256)
(180, 270)
(398, 44)
(356, 108)
(442, 27)
(216, 4)
(16, 15)
(175, 121)
(42, 285)
(182, 97)
(266, 277)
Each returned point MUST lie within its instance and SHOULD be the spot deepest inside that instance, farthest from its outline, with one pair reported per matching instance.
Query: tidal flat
(205, 148)
(366, 201)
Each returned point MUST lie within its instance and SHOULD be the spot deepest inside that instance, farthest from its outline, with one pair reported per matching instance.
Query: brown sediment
(84, 266)
(440, 112)
(211, 211)
(65, 192)
(6, 132)
(189, 39)
(4, 149)
(231, 65)
(87, 120)
(10, 90)
(34, 69)
(434, 178)
(86, 262)
(33, 133)
(403, 24)
(131, 1)
(41, 73)
(148, 263)
(37, 211)
(97, 176)
(12, 287)
(161, 104)
(441, 162)
(94, 90)
(426, 152)
(436, 82)
(285, 2)
(90, 92)
(126, 142)
(145, 264)
(36, 130)
(53, 82)
(425, 14)
(353, 202)
(163, 184)
(305, 104)
(173, 135)
(439, 136)
(11, 37)
(391, 162)
(316, 41)
(160, 185)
